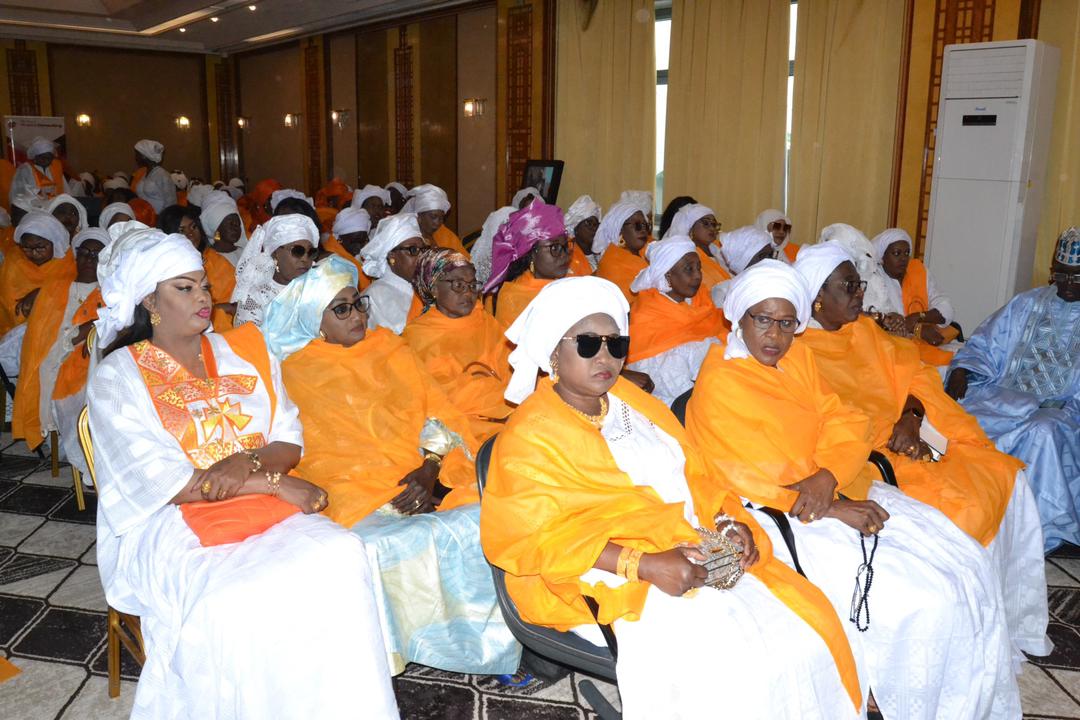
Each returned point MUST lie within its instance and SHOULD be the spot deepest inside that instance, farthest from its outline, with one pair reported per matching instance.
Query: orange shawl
(334, 245)
(222, 276)
(764, 428)
(620, 266)
(916, 298)
(470, 359)
(791, 250)
(658, 323)
(73, 371)
(579, 264)
(42, 329)
(362, 408)
(446, 238)
(50, 188)
(555, 498)
(19, 277)
(876, 372)
(712, 273)
(136, 178)
(515, 295)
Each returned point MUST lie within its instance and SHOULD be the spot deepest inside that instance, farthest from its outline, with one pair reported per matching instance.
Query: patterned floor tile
(60, 539)
(44, 477)
(1064, 604)
(40, 691)
(15, 528)
(7, 486)
(1056, 576)
(1066, 653)
(1040, 695)
(129, 666)
(33, 499)
(93, 701)
(15, 467)
(72, 635)
(15, 615)
(421, 700)
(34, 575)
(90, 556)
(82, 589)
(70, 512)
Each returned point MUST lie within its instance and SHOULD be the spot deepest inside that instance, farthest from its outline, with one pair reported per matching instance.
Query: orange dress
(712, 273)
(446, 238)
(621, 266)
(515, 295)
(73, 371)
(222, 276)
(579, 263)
(916, 298)
(658, 323)
(19, 277)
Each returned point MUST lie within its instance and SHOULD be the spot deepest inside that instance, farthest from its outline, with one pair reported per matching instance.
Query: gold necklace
(594, 420)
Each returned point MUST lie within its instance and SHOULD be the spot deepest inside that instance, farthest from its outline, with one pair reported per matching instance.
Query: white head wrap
(423, 198)
(234, 193)
(278, 195)
(113, 209)
(150, 149)
(481, 249)
(65, 199)
(817, 262)
(545, 320)
(78, 188)
(767, 279)
(640, 199)
(662, 256)
(122, 174)
(524, 193)
(131, 267)
(91, 233)
(120, 229)
(44, 225)
(391, 232)
(351, 219)
(686, 217)
(582, 208)
(876, 296)
(217, 206)
(179, 179)
(28, 201)
(611, 226)
(742, 244)
(236, 183)
(114, 183)
(39, 146)
(197, 194)
(887, 237)
(369, 191)
(256, 262)
(767, 217)
(1068, 248)
(399, 187)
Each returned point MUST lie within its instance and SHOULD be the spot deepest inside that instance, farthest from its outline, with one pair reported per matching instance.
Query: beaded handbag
(722, 559)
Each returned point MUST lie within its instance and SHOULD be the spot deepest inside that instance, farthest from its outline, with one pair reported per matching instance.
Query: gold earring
(276, 268)
(532, 267)
(555, 370)
(322, 335)
(217, 237)
(621, 242)
(391, 261)
(817, 306)
(155, 319)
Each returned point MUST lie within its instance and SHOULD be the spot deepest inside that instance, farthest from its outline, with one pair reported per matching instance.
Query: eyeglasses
(556, 249)
(463, 286)
(411, 250)
(298, 251)
(852, 286)
(764, 323)
(344, 310)
(36, 249)
(779, 225)
(1067, 278)
(708, 224)
(87, 253)
(589, 345)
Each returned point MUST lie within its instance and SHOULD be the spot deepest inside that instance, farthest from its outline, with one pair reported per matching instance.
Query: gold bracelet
(624, 556)
(256, 461)
(273, 481)
(632, 565)
(433, 457)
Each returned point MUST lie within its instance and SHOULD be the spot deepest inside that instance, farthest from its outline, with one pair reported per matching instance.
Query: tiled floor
(52, 625)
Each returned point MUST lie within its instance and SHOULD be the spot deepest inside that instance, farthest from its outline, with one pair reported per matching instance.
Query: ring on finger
(812, 517)
(206, 487)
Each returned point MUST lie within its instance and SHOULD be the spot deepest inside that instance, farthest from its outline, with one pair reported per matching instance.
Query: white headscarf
(39, 146)
(236, 183)
(741, 245)
(113, 209)
(524, 193)
(817, 262)
(641, 199)
(44, 225)
(887, 237)
(150, 149)
(662, 256)
(278, 195)
(256, 263)
(114, 183)
(768, 217)
(78, 188)
(611, 226)
(391, 232)
(91, 233)
(28, 201)
(423, 198)
(352, 219)
(197, 194)
(545, 320)
(65, 199)
(481, 249)
(369, 191)
(686, 217)
(179, 179)
(858, 246)
(397, 186)
(767, 279)
(131, 267)
(582, 208)
(120, 229)
(217, 206)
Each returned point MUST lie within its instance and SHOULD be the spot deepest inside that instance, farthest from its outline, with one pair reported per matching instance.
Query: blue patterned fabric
(1023, 367)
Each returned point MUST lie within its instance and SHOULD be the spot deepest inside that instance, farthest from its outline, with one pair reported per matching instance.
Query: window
(663, 48)
(790, 95)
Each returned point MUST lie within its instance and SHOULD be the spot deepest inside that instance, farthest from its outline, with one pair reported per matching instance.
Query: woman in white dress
(252, 604)
(390, 257)
(282, 248)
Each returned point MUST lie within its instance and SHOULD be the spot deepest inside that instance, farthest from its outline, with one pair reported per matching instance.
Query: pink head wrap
(521, 232)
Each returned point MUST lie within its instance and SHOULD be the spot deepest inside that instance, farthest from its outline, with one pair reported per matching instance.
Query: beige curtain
(727, 92)
(847, 65)
(605, 102)
(1059, 25)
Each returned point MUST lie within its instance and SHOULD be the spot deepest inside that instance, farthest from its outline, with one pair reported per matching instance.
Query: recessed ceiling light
(214, 19)
(183, 29)
(251, 8)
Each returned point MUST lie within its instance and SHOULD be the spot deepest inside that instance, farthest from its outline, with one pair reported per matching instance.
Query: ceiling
(187, 25)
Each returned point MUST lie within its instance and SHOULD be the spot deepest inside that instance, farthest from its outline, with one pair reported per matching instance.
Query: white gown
(281, 625)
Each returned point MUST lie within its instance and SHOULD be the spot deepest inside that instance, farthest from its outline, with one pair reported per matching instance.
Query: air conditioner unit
(993, 138)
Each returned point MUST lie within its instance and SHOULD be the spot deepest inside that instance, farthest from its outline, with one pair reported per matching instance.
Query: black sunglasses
(344, 310)
(589, 345)
(298, 251)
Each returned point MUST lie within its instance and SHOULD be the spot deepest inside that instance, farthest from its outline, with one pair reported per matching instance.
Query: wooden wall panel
(372, 131)
(271, 84)
(476, 158)
(439, 108)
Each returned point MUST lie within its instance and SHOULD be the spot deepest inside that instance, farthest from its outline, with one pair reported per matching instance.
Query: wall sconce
(243, 122)
(182, 122)
(83, 120)
(473, 107)
(292, 120)
(339, 118)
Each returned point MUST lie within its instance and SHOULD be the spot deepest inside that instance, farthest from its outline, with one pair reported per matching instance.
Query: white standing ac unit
(993, 138)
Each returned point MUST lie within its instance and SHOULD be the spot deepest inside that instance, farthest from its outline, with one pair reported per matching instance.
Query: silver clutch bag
(721, 560)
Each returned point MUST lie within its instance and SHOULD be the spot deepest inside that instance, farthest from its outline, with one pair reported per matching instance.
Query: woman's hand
(815, 496)
(895, 324)
(905, 436)
(642, 380)
(80, 337)
(25, 304)
(223, 479)
(739, 533)
(865, 516)
(304, 495)
(672, 571)
(930, 334)
(958, 384)
(417, 496)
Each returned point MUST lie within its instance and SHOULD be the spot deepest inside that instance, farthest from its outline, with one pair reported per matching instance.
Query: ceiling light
(251, 8)
(183, 29)
(214, 19)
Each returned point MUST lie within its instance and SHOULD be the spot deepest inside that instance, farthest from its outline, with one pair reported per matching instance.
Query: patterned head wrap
(523, 231)
(432, 266)
(481, 249)
(1068, 248)
(293, 317)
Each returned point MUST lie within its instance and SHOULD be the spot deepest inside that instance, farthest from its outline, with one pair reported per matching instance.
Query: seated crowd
(288, 397)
